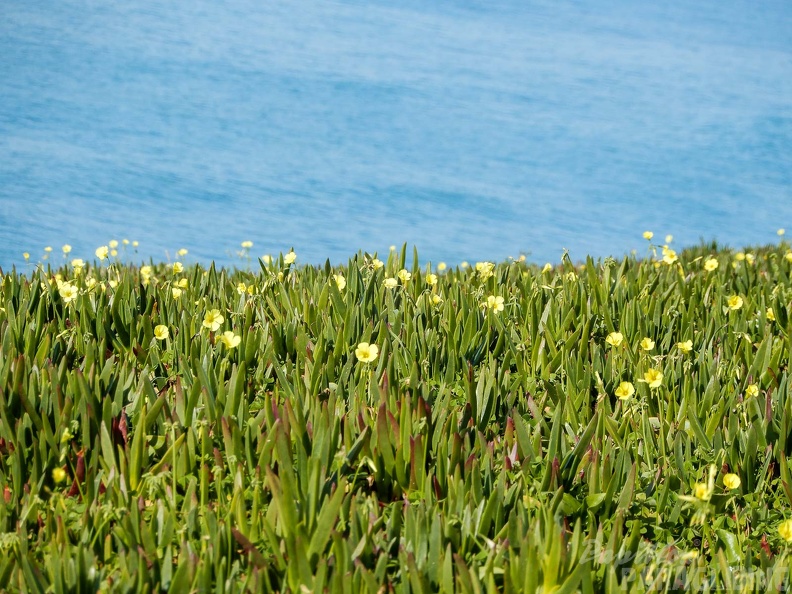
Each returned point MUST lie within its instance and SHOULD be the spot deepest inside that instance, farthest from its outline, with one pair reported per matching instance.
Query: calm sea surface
(471, 129)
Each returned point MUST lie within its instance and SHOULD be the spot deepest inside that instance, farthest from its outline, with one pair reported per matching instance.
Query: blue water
(470, 129)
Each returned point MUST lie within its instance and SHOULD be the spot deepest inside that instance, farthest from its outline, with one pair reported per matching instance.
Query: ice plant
(161, 332)
(625, 390)
(230, 340)
(614, 339)
(213, 320)
(366, 352)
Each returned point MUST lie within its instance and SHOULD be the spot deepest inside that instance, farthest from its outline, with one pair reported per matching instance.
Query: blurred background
(473, 130)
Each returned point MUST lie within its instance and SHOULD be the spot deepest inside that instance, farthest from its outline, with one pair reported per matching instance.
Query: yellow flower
(340, 281)
(366, 352)
(625, 390)
(48, 249)
(431, 279)
(547, 268)
(441, 266)
(780, 232)
(90, 282)
(669, 238)
(494, 303)
(647, 344)
(113, 283)
(161, 332)
(391, 283)
(101, 252)
(614, 339)
(710, 264)
(770, 314)
(647, 235)
(464, 264)
(178, 268)
(66, 248)
(68, 292)
(213, 320)
(403, 275)
(376, 263)
(267, 259)
(436, 299)
(112, 243)
(114, 253)
(176, 292)
(26, 256)
(230, 340)
(182, 252)
(125, 241)
(669, 256)
(702, 491)
(685, 347)
(145, 271)
(58, 475)
(485, 269)
(241, 288)
(247, 244)
(289, 258)
(77, 263)
(739, 256)
(393, 248)
(785, 530)
(653, 377)
(752, 390)
(135, 244)
(750, 258)
(734, 302)
(731, 481)
(182, 283)
(788, 256)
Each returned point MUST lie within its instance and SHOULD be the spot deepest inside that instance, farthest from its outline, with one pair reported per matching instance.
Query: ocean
(473, 130)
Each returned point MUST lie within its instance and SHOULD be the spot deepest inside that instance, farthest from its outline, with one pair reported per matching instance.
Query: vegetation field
(384, 426)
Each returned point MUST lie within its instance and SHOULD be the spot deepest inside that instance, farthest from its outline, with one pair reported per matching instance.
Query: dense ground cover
(611, 426)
